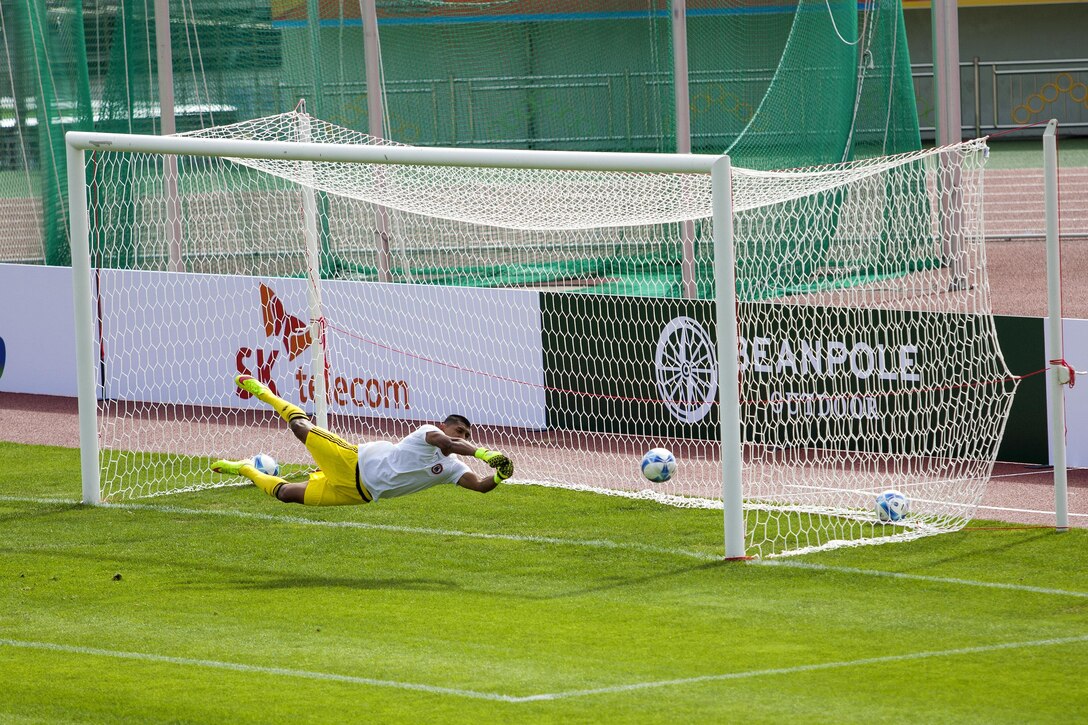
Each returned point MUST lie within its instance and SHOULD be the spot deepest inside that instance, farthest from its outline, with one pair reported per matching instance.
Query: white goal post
(717, 166)
(827, 348)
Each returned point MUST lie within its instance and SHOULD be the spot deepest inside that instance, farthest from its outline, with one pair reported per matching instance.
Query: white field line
(303, 521)
(826, 489)
(806, 668)
(498, 697)
(257, 669)
(793, 564)
(1025, 511)
(799, 488)
(591, 543)
(1036, 472)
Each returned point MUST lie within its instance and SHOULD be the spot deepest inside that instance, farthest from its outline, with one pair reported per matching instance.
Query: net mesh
(777, 86)
(547, 307)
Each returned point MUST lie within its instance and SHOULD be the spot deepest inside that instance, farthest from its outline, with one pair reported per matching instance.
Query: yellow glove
(504, 467)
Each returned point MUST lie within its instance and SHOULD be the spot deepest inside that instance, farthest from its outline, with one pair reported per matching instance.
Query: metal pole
(978, 100)
(82, 304)
(409, 155)
(313, 275)
(372, 55)
(946, 71)
(946, 80)
(682, 103)
(164, 58)
(375, 111)
(729, 378)
(313, 21)
(1058, 375)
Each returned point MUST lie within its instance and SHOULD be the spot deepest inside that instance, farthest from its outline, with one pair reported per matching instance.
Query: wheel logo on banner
(687, 369)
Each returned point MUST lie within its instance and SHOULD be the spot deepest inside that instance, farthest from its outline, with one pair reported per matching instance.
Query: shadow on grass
(240, 577)
(41, 511)
(988, 551)
(361, 583)
(209, 576)
(626, 582)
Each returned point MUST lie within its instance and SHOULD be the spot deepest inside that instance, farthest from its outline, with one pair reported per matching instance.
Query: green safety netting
(774, 84)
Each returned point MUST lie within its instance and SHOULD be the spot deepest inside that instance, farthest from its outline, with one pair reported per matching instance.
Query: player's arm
(483, 484)
(504, 468)
(448, 445)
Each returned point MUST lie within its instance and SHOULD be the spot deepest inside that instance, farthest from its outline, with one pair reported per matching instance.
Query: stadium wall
(37, 356)
(1039, 52)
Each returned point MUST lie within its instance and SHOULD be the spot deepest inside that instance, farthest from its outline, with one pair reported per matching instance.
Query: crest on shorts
(436, 469)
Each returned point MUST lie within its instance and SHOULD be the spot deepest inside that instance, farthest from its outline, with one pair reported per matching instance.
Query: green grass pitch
(525, 605)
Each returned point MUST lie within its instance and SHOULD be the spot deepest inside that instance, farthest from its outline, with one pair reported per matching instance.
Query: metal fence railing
(1009, 94)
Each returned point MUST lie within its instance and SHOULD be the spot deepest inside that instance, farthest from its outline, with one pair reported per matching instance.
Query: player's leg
(320, 490)
(337, 483)
(292, 492)
(294, 415)
(272, 485)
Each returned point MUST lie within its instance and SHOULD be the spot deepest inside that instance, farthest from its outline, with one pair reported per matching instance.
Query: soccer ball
(658, 465)
(266, 464)
(891, 506)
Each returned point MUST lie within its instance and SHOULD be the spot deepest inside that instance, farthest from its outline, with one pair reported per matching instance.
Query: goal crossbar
(402, 155)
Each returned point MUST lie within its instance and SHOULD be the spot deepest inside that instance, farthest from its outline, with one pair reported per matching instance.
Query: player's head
(456, 426)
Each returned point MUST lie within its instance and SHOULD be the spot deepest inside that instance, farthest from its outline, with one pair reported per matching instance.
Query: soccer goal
(839, 343)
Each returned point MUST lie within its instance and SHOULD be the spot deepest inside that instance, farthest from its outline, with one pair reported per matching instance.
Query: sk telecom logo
(290, 336)
(295, 332)
(292, 331)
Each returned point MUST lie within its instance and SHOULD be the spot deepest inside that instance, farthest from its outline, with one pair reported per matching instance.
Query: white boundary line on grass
(475, 694)
(793, 564)
(591, 543)
(1026, 511)
(392, 528)
(258, 669)
(807, 668)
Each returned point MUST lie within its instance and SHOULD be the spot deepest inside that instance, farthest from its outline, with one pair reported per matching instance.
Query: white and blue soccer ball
(266, 464)
(892, 506)
(658, 465)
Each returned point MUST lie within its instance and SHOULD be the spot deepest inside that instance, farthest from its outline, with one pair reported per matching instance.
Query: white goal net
(563, 313)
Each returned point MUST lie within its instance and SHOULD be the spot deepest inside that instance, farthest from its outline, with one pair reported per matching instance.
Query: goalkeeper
(349, 475)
